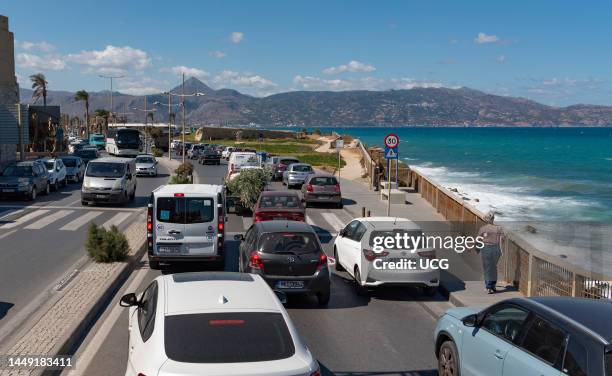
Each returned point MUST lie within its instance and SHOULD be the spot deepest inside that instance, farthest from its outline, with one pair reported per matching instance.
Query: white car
(146, 164)
(354, 252)
(57, 173)
(225, 154)
(213, 323)
(231, 175)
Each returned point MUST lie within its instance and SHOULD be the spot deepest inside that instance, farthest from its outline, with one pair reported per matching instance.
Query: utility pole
(146, 114)
(169, 125)
(111, 95)
(183, 102)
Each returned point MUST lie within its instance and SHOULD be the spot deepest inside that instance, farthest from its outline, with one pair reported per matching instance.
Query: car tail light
(427, 254)
(322, 261)
(337, 188)
(258, 218)
(150, 227)
(142, 374)
(220, 223)
(255, 261)
(309, 188)
(299, 217)
(179, 195)
(370, 255)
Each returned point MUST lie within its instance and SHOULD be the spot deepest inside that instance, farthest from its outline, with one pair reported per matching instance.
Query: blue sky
(555, 52)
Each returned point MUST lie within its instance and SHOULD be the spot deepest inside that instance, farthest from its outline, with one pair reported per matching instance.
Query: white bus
(123, 142)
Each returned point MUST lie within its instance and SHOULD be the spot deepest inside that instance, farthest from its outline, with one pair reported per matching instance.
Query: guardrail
(532, 271)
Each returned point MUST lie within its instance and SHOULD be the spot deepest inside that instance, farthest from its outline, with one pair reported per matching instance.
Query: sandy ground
(353, 169)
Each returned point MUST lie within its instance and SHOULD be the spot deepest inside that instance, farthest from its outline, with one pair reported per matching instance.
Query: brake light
(258, 218)
(142, 374)
(179, 195)
(255, 261)
(150, 218)
(370, 255)
(226, 322)
(427, 254)
(322, 261)
(309, 188)
(337, 188)
(220, 225)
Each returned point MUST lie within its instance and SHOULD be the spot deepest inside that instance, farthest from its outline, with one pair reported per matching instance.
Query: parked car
(186, 223)
(75, 168)
(322, 188)
(281, 165)
(226, 152)
(296, 174)
(146, 164)
(213, 323)
(209, 156)
(279, 205)
(98, 140)
(354, 252)
(288, 255)
(24, 179)
(87, 154)
(109, 180)
(57, 172)
(527, 336)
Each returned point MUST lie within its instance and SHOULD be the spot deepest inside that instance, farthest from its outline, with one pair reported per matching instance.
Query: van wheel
(361, 290)
(54, 186)
(48, 189)
(323, 297)
(448, 361)
(340, 205)
(338, 266)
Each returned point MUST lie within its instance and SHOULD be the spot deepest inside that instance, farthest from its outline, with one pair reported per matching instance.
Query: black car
(209, 155)
(87, 154)
(288, 255)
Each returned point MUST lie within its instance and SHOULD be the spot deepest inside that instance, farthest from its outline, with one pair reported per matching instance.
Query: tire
(430, 290)
(338, 266)
(361, 290)
(448, 360)
(32, 195)
(47, 189)
(340, 205)
(323, 297)
(154, 265)
(84, 203)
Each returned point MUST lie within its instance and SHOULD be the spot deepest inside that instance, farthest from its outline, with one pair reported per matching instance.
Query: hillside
(418, 106)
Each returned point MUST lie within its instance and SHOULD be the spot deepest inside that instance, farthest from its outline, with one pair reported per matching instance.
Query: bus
(123, 142)
(98, 140)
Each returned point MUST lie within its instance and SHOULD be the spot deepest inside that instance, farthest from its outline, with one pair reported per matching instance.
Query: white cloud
(31, 61)
(140, 86)
(501, 59)
(236, 37)
(218, 54)
(189, 72)
(40, 46)
(352, 66)
(485, 38)
(243, 79)
(113, 59)
(364, 83)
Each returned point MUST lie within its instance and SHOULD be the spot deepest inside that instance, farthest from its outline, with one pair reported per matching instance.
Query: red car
(279, 205)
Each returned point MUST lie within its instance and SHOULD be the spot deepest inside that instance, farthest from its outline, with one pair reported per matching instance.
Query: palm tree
(104, 114)
(39, 85)
(82, 95)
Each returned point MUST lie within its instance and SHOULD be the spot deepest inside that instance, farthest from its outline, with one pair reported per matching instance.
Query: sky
(555, 52)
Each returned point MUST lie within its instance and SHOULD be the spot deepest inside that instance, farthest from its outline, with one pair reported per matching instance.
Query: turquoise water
(522, 173)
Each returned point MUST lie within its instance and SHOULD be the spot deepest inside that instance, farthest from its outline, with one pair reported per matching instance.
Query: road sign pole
(397, 170)
(388, 187)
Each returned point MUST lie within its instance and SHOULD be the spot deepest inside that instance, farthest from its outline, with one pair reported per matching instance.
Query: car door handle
(499, 355)
(174, 232)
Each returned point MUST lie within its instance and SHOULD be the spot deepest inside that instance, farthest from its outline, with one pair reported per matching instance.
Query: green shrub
(316, 132)
(248, 185)
(106, 246)
(182, 174)
(158, 152)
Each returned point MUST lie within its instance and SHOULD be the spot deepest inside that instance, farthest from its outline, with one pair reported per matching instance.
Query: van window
(185, 210)
(106, 169)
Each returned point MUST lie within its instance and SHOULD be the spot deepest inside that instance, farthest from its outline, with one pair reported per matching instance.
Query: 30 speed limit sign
(391, 141)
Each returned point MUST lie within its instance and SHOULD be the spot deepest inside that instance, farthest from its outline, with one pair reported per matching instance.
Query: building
(9, 96)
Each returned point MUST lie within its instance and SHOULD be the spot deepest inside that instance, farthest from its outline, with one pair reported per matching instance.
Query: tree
(82, 95)
(104, 115)
(39, 85)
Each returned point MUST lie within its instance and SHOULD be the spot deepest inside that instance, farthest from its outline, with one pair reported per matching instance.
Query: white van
(109, 180)
(241, 158)
(186, 222)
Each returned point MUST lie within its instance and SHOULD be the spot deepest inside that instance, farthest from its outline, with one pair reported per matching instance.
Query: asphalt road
(388, 333)
(42, 243)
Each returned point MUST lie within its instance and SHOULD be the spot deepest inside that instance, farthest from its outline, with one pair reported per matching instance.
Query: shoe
(491, 291)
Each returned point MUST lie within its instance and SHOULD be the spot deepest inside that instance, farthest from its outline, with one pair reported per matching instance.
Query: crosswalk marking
(80, 221)
(333, 220)
(47, 220)
(7, 234)
(24, 219)
(116, 220)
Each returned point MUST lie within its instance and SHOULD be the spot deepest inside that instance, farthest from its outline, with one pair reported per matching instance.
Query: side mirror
(239, 237)
(470, 320)
(281, 296)
(342, 232)
(57, 169)
(129, 300)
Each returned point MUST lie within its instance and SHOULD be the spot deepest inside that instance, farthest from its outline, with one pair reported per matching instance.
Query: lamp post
(169, 105)
(111, 94)
(146, 112)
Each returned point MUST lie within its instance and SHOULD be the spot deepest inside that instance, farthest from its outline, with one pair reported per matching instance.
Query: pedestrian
(490, 252)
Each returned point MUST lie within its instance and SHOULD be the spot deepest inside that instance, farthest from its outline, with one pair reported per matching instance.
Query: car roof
(282, 226)
(113, 160)
(69, 157)
(217, 291)
(145, 155)
(389, 222)
(171, 189)
(279, 193)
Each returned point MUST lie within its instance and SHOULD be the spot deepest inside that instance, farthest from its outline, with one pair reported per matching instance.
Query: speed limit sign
(391, 141)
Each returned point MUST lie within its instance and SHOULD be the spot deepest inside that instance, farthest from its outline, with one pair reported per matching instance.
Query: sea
(523, 174)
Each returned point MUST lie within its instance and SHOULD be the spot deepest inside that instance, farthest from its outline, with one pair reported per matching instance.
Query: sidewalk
(462, 283)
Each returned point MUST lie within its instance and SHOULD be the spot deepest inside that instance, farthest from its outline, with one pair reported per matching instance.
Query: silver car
(146, 164)
(75, 168)
(296, 174)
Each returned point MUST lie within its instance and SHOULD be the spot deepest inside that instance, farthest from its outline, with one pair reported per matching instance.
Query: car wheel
(448, 361)
(340, 205)
(430, 290)
(48, 189)
(84, 203)
(32, 194)
(359, 288)
(323, 297)
(338, 266)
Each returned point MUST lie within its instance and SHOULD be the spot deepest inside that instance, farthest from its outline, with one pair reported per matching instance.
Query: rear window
(288, 161)
(105, 169)
(69, 162)
(49, 165)
(145, 160)
(302, 168)
(186, 210)
(288, 242)
(279, 202)
(326, 180)
(227, 337)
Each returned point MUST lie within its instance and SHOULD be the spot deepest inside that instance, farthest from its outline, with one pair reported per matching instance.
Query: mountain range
(417, 106)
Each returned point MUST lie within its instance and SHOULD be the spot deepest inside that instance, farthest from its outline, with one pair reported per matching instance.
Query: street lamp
(145, 123)
(182, 96)
(169, 105)
(111, 94)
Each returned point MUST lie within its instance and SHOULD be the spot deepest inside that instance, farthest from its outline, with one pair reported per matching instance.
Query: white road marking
(333, 220)
(24, 219)
(47, 220)
(80, 221)
(88, 354)
(116, 220)
(7, 234)
(72, 207)
(11, 213)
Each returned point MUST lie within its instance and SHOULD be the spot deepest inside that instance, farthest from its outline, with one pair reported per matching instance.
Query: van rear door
(169, 225)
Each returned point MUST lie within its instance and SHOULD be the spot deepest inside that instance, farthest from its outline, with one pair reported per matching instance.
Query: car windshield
(283, 202)
(88, 153)
(50, 165)
(18, 170)
(323, 180)
(145, 160)
(288, 242)
(185, 210)
(227, 337)
(69, 162)
(302, 168)
(98, 138)
(105, 169)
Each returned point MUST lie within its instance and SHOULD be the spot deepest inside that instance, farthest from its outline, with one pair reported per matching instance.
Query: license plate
(290, 284)
(100, 196)
(168, 249)
(8, 190)
(323, 197)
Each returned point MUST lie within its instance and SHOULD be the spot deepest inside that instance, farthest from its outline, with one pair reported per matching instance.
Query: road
(42, 243)
(388, 333)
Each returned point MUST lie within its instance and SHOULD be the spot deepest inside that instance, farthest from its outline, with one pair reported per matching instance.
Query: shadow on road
(4, 308)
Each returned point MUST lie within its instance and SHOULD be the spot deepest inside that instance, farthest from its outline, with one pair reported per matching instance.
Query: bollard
(363, 211)
(369, 214)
